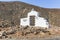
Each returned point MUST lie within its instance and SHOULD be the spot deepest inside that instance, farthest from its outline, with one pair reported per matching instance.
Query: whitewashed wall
(24, 21)
(39, 21)
(32, 13)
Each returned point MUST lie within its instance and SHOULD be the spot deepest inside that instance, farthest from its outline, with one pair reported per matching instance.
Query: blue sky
(41, 3)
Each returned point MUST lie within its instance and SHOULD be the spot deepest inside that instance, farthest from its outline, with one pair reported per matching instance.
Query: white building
(34, 20)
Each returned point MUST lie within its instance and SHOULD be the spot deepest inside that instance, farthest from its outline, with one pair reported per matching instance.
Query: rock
(42, 33)
(26, 32)
(51, 32)
(5, 24)
(35, 32)
(25, 27)
(1, 33)
(11, 31)
(3, 37)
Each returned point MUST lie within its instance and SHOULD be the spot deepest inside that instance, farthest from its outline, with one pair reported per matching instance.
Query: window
(25, 20)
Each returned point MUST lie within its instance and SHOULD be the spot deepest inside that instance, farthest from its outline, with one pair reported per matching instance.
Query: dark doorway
(32, 20)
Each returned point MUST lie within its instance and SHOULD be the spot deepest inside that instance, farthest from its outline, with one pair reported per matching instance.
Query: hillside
(11, 12)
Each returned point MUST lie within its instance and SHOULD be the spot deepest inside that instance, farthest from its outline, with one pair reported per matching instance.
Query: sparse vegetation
(10, 14)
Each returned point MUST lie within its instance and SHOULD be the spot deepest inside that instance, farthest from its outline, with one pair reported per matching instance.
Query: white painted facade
(39, 21)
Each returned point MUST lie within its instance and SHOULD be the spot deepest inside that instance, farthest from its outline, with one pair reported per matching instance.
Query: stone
(11, 31)
(1, 33)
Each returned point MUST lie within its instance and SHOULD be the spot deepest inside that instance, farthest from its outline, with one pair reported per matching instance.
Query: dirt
(29, 33)
(10, 14)
(20, 32)
(13, 11)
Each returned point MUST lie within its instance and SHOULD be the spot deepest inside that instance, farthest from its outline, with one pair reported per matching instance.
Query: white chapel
(33, 19)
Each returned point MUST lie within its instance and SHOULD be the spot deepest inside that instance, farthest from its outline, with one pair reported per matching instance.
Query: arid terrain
(10, 29)
(29, 33)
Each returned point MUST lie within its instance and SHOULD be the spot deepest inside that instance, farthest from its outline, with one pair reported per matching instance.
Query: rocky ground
(9, 32)
(10, 14)
(29, 33)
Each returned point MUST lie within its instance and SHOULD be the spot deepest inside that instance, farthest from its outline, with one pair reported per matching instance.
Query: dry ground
(27, 33)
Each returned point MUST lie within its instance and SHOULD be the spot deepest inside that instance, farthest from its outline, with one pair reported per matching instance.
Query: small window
(47, 23)
(25, 20)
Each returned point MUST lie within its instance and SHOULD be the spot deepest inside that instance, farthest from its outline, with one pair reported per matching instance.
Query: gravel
(37, 38)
